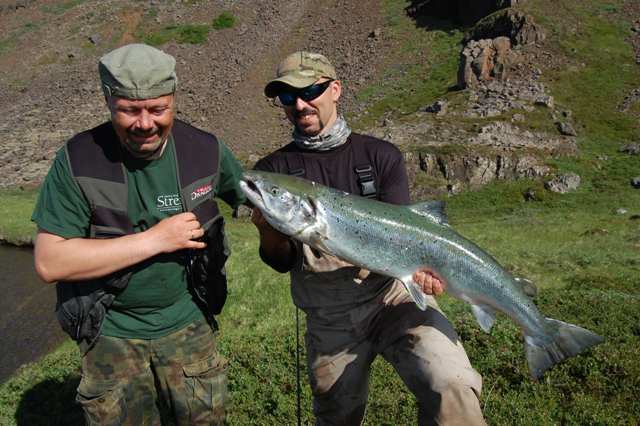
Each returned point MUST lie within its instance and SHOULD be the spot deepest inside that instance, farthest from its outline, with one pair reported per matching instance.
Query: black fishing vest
(95, 161)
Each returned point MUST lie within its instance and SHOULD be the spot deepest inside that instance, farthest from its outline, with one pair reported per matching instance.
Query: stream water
(28, 325)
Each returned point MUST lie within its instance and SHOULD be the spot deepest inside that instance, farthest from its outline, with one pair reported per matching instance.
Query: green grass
(585, 278)
(224, 20)
(23, 398)
(187, 33)
(16, 226)
(583, 256)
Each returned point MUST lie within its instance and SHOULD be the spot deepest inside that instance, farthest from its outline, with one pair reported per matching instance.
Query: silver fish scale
(395, 241)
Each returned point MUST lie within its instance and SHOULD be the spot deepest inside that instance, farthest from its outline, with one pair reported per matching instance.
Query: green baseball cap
(300, 69)
(137, 71)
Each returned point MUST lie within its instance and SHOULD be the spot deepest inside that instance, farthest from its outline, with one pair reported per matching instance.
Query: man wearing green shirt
(130, 231)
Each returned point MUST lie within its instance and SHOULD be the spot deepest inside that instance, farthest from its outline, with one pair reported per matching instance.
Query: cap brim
(276, 86)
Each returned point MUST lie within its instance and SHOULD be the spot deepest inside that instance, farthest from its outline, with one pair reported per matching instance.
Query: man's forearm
(84, 259)
(75, 259)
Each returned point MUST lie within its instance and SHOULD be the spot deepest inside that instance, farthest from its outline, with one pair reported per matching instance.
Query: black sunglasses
(307, 94)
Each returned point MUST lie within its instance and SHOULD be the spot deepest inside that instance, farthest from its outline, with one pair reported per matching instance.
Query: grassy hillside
(582, 254)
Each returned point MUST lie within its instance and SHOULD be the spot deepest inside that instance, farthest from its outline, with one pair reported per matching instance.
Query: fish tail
(564, 340)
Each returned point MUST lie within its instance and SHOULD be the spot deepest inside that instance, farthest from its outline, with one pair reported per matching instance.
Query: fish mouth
(251, 190)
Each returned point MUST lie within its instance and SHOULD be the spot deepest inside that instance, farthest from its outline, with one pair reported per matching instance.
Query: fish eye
(274, 190)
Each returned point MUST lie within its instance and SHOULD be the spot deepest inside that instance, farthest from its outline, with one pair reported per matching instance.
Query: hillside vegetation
(582, 249)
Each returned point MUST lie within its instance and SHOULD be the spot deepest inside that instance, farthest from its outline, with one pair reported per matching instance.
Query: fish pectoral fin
(415, 291)
(485, 315)
(318, 241)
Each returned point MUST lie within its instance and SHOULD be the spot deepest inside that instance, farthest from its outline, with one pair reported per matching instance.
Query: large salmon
(397, 240)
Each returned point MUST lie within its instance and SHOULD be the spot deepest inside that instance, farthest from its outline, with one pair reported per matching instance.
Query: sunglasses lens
(287, 99)
(312, 92)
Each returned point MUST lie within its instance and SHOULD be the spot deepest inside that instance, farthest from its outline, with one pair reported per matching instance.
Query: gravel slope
(48, 59)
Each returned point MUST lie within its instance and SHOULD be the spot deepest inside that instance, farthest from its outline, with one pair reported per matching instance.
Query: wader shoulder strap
(364, 170)
(197, 165)
(95, 162)
(366, 180)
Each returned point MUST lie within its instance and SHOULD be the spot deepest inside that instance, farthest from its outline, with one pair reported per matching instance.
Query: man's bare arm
(58, 258)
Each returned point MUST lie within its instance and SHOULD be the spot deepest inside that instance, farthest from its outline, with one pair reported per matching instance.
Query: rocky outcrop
(501, 71)
(631, 149)
(518, 26)
(485, 60)
(479, 169)
(496, 97)
(498, 151)
(488, 53)
(566, 129)
(507, 137)
(438, 108)
(452, 159)
(630, 100)
(563, 183)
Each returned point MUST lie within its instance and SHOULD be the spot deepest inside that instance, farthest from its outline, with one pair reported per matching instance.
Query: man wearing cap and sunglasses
(353, 314)
(130, 231)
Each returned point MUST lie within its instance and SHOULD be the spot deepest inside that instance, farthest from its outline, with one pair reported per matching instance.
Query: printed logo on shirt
(201, 192)
(169, 203)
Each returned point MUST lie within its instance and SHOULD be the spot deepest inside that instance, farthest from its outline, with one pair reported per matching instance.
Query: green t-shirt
(156, 301)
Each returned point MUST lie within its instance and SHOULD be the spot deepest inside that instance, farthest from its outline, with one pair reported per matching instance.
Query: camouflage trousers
(176, 379)
(423, 348)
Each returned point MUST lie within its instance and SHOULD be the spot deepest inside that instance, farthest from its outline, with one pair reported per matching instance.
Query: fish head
(286, 202)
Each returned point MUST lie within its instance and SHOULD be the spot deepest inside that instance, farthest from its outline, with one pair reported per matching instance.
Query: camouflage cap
(137, 71)
(300, 69)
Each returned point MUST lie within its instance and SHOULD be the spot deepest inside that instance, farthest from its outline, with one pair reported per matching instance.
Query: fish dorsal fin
(433, 210)
(528, 287)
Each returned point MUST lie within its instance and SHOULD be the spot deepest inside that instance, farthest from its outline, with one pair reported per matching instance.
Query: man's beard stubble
(306, 111)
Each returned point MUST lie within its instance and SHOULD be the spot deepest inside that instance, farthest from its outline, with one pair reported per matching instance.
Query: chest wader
(367, 184)
(95, 161)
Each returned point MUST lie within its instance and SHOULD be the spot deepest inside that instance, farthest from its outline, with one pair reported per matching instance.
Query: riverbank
(27, 308)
